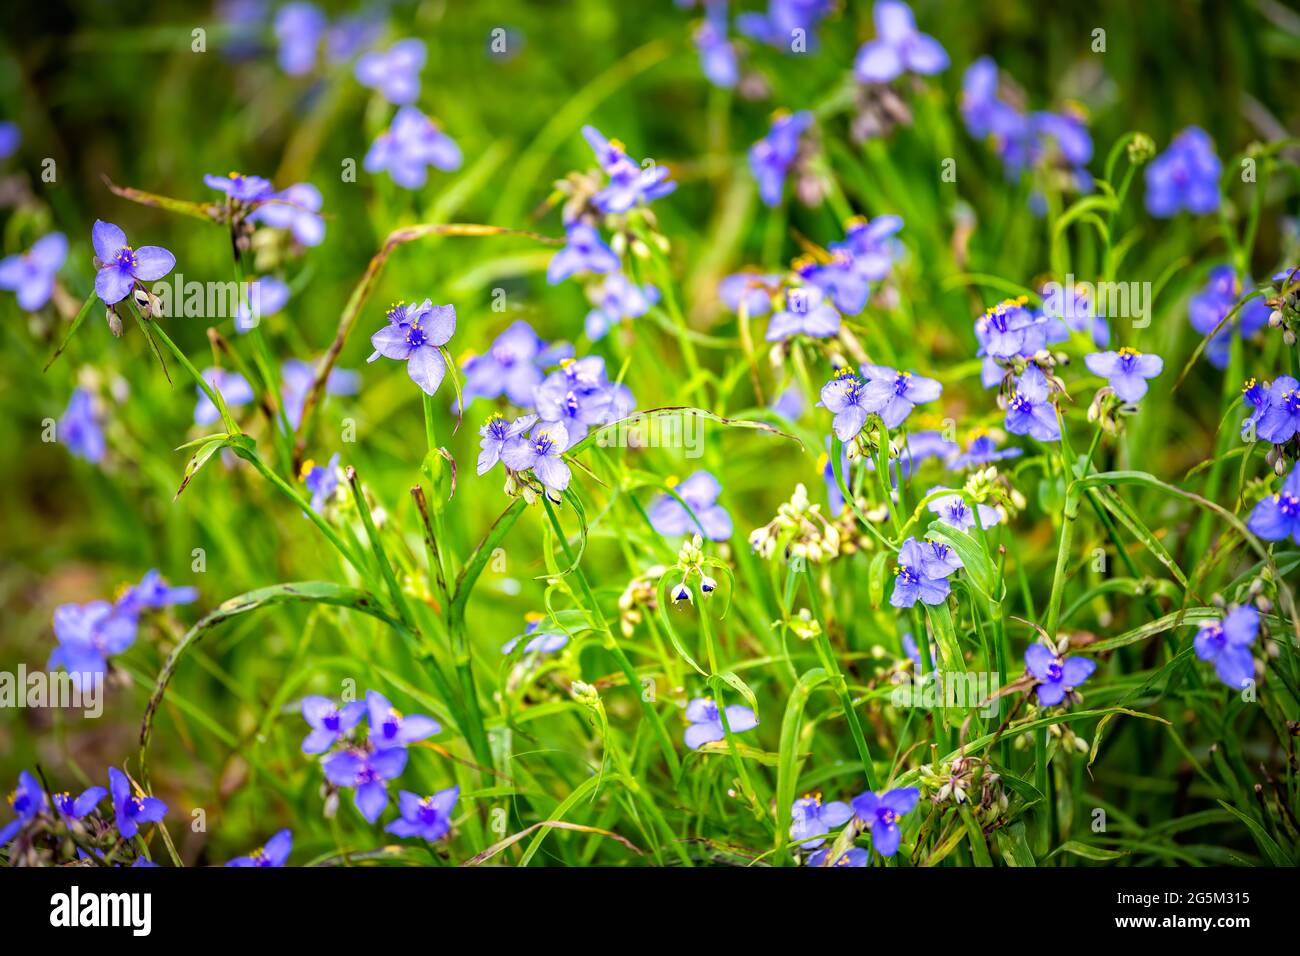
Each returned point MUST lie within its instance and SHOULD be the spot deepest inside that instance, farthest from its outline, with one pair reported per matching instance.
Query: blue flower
(981, 451)
(1280, 418)
(754, 288)
(706, 723)
(395, 73)
(132, 811)
(296, 209)
(414, 335)
(630, 182)
(579, 400)
(789, 404)
(274, 853)
(512, 366)
(542, 453)
(853, 856)
(11, 138)
(1277, 517)
(240, 188)
(844, 396)
(881, 813)
(717, 53)
(700, 491)
(31, 274)
(153, 593)
(79, 428)
(296, 378)
(1255, 396)
(391, 728)
(428, 817)
(234, 388)
(808, 311)
(584, 251)
(618, 298)
(1056, 676)
(88, 635)
(1227, 643)
(328, 722)
(784, 22)
(27, 800)
(544, 643)
(892, 394)
(76, 808)
(839, 278)
(1127, 370)
(267, 296)
(1029, 410)
(1009, 329)
(299, 28)
(410, 145)
(368, 773)
(772, 156)
(953, 510)
(121, 266)
(1211, 305)
(922, 573)
(871, 245)
(322, 481)
(899, 47)
(494, 435)
(1184, 177)
(1073, 306)
(810, 819)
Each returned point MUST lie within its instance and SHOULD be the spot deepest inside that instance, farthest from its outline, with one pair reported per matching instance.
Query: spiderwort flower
(981, 451)
(751, 287)
(27, 800)
(512, 366)
(428, 817)
(153, 593)
(1277, 517)
(413, 335)
(717, 53)
(240, 188)
(296, 378)
(1003, 330)
(299, 28)
(234, 388)
(871, 245)
(120, 266)
(544, 643)
(808, 311)
(1255, 396)
(1057, 676)
(576, 406)
(88, 635)
(395, 73)
(494, 435)
(411, 144)
(777, 26)
(618, 298)
(1029, 412)
(274, 853)
(1281, 415)
(79, 428)
(1209, 307)
(584, 251)
(132, 811)
(1184, 177)
(922, 574)
(1227, 643)
(892, 394)
(700, 492)
(296, 209)
(843, 396)
(367, 772)
(322, 481)
(953, 510)
(267, 295)
(390, 728)
(31, 274)
(706, 721)
(772, 156)
(810, 818)
(839, 278)
(328, 722)
(899, 47)
(542, 453)
(77, 808)
(1127, 370)
(881, 813)
(854, 856)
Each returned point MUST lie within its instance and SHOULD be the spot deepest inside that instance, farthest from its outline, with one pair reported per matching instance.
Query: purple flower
(153, 593)
(266, 296)
(410, 145)
(299, 28)
(871, 245)
(296, 209)
(542, 453)
(1255, 396)
(1281, 411)
(512, 366)
(494, 435)
(1208, 308)
(544, 643)
(810, 819)
(240, 188)
(414, 335)
(1227, 644)
(772, 156)
(629, 182)
(577, 405)
(706, 722)
(79, 428)
(899, 47)
(296, 378)
(328, 722)
(131, 810)
(1127, 370)
(700, 492)
(1184, 177)
(1073, 306)
(953, 510)
(717, 53)
(753, 288)
(844, 396)
(234, 388)
(840, 279)
(892, 394)
(120, 266)
(881, 813)
(11, 138)
(428, 817)
(76, 808)
(275, 853)
(394, 73)
(1008, 329)
(982, 450)
(922, 573)
(367, 772)
(1057, 676)
(618, 298)
(584, 251)
(390, 728)
(983, 112)
(27, 800)
(321, 481)
(1277, 517)
(31, 274)
(784, 21)
(853, 856)
(789, 404)
(808, 311)
(1029, 410)
(88, 635)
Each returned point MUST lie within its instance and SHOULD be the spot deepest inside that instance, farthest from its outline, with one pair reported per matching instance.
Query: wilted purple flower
(1127, 370)
(76, 808)
(121, 266)
(981, 451)
(844, 396)
(706, 722)
(700, 491)
(616, 299)
(1281, 412)
(922, 573)
(79, 428)
(899, 47)
(410, 145)
(1277, 517)
(367, 772)
(11, 138)
(772, 156)
(88, 635)
(512, 366)
(395, 73)
(717, 52)
(428, 817)
(1057, 676)
(1184, 177)
(328, 722)
(296, 378)
(494, 434)
(754, 288)
(299, 28)
(296, 209)
(881, 813)
(132, 811)
(414, 335)
(810, 818)
(584, 251)
(234, 388)
(542, 453)
(953, 510)
(31, 274)
(892, 394)
(1211, 305)
(153, 593)
(853, 856)
(321, 481)
(1227, 644)
(240, 188)
(545, 642)
(27, 800)
(390, 728)
(808, 311)
(274, 853)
